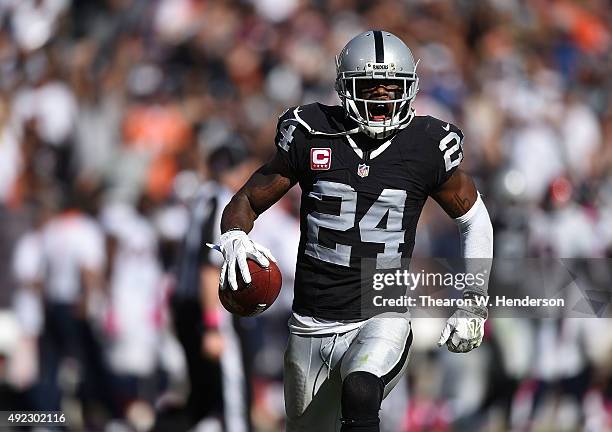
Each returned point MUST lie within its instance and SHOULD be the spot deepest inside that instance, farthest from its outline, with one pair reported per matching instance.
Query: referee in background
(218, 376)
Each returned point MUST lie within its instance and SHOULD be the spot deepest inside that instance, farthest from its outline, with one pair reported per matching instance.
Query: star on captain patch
(363, 170)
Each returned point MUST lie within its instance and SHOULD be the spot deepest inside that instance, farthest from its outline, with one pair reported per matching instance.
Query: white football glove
(236, 247)
(463, 332)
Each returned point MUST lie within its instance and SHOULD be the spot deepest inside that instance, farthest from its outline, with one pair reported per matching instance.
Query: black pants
(66, 335)
(204, 374)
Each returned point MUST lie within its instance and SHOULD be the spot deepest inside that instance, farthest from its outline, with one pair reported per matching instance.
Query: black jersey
(358, 200)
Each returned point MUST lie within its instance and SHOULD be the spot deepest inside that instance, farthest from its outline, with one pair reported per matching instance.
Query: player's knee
(362, 394)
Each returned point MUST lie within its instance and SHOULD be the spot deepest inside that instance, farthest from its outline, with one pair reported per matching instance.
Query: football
(253, 298)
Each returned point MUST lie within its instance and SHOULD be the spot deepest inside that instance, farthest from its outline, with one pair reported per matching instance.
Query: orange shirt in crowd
(162, 131)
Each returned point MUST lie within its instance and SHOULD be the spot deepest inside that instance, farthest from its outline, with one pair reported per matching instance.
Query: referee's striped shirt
(205, 218)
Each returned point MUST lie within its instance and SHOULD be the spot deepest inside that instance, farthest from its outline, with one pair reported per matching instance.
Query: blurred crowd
(110, 111)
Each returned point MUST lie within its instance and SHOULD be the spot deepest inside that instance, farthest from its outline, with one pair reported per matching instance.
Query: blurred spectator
(35, 21)
(63, 264)
(136, 321)
(562, 228)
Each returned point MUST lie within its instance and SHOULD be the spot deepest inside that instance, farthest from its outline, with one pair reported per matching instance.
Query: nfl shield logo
(363, 170)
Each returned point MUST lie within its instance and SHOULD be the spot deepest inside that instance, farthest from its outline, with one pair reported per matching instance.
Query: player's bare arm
(457, 195)
(212, 343)
(265, 187)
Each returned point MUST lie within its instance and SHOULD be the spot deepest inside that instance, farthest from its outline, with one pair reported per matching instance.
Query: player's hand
(463, 332)
(213, 344)
(236, 247)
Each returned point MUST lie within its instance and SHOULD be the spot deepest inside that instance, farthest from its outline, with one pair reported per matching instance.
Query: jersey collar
(375, 152)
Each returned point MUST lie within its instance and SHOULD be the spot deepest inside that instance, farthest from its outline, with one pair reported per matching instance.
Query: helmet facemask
(378, 118)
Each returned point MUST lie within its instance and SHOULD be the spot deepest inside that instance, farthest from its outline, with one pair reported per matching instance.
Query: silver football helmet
(377, 55)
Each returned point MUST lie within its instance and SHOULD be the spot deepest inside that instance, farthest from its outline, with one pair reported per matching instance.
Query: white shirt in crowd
(52, 258)
(136, 291)
(71, 243)
(53, 106)
(28, 270)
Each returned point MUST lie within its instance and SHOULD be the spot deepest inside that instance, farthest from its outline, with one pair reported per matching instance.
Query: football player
(366, 168)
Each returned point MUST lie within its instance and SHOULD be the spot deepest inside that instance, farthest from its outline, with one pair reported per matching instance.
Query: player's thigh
(382, 348)
(312, 393)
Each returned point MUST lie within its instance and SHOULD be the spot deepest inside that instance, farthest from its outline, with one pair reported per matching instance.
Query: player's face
(378, 90)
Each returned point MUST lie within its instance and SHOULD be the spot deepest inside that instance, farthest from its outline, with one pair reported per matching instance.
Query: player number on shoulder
(390, 203)
(287, 137)
(449, 162)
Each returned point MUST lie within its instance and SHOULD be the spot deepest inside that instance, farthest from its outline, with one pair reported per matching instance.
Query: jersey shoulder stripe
(317, 119)
(435, 128)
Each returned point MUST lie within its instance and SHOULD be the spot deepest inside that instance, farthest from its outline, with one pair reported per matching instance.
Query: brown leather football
(253, 298)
